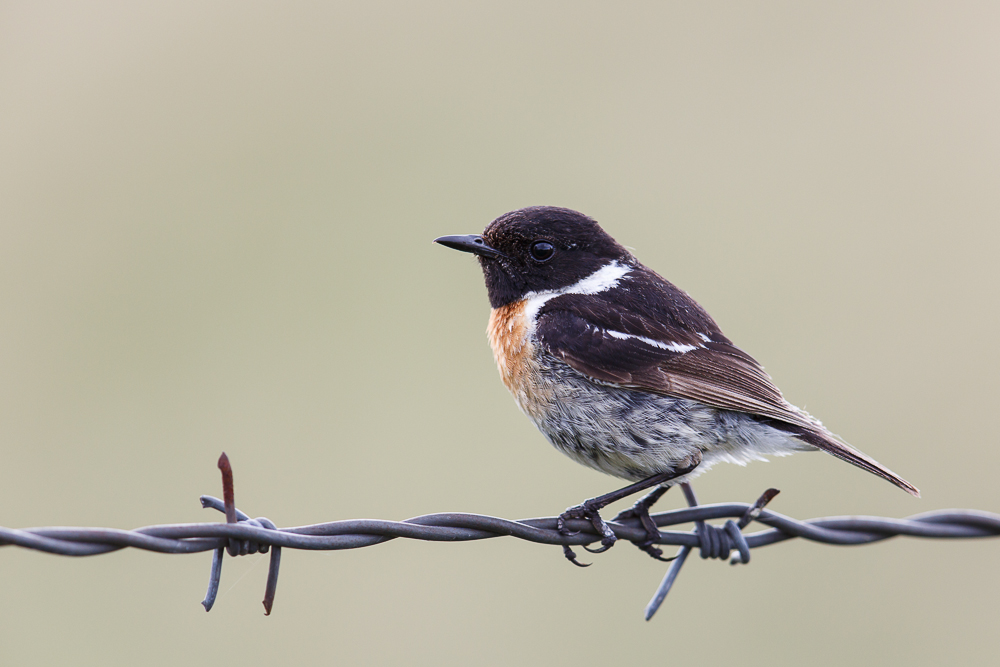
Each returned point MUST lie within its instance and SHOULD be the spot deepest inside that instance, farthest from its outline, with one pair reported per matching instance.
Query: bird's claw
(601, 549)
(654, 552)
(591, 514)
(571, 556)
(561, 524)
(640, 511)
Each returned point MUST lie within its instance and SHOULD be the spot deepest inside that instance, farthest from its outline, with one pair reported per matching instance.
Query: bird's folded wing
(701, 366)
(639, 354)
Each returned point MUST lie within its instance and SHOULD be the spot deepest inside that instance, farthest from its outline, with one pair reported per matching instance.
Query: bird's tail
(829, 444)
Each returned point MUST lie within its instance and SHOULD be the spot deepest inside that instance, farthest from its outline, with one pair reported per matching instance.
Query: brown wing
(686, 365)
(723, 376)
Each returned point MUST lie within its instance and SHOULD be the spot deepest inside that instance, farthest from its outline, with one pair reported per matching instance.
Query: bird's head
(538, 249)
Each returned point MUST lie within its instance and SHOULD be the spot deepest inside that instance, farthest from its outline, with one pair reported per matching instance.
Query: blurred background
(215, 234)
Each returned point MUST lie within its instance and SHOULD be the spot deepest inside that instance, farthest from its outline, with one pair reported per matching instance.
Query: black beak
(472, 243)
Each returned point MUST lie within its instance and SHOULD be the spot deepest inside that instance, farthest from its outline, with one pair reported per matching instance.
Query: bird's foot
(640, 511)
(588, 511)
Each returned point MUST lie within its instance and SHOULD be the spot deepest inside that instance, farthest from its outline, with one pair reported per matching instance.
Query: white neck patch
(601, 280)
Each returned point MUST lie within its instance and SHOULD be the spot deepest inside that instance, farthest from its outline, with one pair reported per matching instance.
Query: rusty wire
(241, 535)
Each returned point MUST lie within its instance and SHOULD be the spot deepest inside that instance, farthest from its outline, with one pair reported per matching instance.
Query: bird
(622, 371)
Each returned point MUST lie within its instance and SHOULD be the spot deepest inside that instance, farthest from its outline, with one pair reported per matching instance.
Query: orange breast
(514, 353)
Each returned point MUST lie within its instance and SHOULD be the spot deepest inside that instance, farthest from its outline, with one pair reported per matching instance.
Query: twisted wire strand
(462, 527)
(242, 535)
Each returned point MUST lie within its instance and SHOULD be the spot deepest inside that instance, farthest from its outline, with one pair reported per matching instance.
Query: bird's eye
(542, 251)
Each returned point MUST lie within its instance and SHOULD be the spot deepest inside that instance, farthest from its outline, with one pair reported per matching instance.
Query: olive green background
(215, 226)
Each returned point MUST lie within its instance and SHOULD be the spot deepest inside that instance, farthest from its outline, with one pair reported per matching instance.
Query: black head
(537, 249)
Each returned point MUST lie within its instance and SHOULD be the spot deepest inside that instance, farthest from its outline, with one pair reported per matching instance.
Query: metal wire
(247, 536)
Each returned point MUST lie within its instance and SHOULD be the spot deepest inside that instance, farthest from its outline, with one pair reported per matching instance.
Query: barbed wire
(242, 535)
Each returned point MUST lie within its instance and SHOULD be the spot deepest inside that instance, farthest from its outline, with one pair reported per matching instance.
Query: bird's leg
(590, 509)
(640, 511)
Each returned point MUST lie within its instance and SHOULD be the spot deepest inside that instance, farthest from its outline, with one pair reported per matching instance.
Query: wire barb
(241, 535)
(238, 547)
